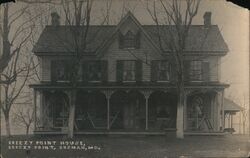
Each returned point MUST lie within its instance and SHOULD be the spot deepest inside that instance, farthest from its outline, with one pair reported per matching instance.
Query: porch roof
(230, 106)
(129, 85)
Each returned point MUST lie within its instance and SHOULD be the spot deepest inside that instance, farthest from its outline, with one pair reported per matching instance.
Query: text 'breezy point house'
(126, 84)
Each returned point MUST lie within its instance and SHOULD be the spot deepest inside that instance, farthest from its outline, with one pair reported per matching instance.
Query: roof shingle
(60, 39)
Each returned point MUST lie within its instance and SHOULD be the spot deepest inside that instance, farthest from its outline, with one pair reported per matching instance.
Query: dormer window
(129, 40)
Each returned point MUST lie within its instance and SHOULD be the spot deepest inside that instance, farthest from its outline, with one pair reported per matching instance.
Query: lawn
(136, 147)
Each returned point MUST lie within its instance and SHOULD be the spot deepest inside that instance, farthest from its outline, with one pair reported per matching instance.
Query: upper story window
(95, 71)
(195, 70)
(160, 70)
(129, 70)
(163, 71)
(60, 70)
(129, 40)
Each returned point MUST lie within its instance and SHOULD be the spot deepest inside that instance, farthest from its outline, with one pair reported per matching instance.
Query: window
(129, 40)
(163, 71)
(60, 70)
(195, 71)
(94, 71)
(128, 71)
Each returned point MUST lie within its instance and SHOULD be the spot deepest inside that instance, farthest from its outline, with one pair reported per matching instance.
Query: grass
(139, 146)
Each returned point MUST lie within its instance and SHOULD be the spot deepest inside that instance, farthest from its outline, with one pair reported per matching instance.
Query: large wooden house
(126, 83)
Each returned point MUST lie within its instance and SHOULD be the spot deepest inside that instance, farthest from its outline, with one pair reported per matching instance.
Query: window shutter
(138, 71)
(85, 71)
(68, 69)
(173, 72)
(121, 40)
(205, 71)
(154, 70)
(104, 69)
(119, 71)
(138, 40)
(53, 71)
(186, 70)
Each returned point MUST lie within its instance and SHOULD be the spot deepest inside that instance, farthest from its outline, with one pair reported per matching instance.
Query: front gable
(128, 26)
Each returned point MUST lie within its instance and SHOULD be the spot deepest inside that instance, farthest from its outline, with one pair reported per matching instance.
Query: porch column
(108, 95)
(187, 93)
(146, 95)
(221, 115)
(34, 102)
(222, 111)
(231, 121)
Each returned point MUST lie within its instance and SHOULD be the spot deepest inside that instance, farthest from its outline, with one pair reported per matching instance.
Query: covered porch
(148, 110)
(230, 110)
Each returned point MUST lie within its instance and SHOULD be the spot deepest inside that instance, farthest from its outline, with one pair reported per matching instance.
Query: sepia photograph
(124, 79)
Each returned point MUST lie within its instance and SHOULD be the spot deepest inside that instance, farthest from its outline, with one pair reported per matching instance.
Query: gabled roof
(231, 106)
(59, 39)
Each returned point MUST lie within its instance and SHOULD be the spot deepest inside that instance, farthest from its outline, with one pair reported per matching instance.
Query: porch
(128, 110)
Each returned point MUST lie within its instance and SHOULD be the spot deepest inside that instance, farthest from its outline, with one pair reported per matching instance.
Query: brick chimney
(55, 19)
(207, 19)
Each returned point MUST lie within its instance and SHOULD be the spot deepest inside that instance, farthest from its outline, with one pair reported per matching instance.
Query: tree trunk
(27, 129)
(180, 114)
(72, 105)
(7, 124)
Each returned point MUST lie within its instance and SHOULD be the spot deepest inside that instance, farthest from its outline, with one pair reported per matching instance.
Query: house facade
(126, 82)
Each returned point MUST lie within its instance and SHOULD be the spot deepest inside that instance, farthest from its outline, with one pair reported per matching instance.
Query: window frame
(168, 70)
(129, 40)
(100, 70)
(134, 70)
(59, 64)
(195, 71)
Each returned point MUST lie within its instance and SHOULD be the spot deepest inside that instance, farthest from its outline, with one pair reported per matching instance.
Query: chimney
(207, 19)
(55, 19)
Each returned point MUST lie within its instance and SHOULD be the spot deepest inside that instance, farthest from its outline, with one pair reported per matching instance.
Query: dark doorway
(127, 110)
(162, 110)
(91, 110)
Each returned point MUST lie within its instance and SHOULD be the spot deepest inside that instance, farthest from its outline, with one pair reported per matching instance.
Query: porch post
(146, 95)
(220, 114)
(146, 127)
(108, 111)
(231, 121)
(187, 92)
(222, 110)
(35, 109)
(108, 95)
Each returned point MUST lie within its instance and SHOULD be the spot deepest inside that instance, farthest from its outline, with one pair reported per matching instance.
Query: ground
(140, 146)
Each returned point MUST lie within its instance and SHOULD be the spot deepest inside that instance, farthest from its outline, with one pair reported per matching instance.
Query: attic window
(129, 40)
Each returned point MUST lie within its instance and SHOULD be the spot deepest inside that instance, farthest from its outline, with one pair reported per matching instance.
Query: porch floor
(128, 132)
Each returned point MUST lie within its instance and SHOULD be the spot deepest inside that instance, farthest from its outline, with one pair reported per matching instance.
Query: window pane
(129, 40)
(94, 71)
(195, 70)
(129, 71)
(163, 71)
(61, 70)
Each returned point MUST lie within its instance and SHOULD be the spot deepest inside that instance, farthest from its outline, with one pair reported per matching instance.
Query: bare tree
(178, 14)
(77, 13)
(24, 114)
(16, 28)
